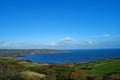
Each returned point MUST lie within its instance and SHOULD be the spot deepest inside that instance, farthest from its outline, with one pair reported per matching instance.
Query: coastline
(23, 52)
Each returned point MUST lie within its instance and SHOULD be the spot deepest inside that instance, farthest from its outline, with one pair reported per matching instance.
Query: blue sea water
(74, 56)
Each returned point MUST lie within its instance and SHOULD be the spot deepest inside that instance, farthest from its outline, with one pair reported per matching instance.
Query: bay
(85, 55)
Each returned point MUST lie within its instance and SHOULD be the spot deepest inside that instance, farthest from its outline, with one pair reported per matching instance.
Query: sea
(73, 56)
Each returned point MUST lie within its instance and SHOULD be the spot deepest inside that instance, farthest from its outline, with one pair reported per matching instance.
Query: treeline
(11, 69)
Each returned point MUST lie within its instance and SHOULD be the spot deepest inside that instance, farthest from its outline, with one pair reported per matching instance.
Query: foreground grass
(12, 69)
(30, 75)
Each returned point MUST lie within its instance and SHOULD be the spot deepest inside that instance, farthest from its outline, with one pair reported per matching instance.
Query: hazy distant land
(23, 52)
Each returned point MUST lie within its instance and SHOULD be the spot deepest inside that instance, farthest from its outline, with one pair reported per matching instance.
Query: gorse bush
(14, 71)
(10, 70)
(10, 75)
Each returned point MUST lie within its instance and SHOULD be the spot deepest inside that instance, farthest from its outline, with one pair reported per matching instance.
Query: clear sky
(60, 24)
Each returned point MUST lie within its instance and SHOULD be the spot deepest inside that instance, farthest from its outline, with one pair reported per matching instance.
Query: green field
(105, 67)
(99, 67)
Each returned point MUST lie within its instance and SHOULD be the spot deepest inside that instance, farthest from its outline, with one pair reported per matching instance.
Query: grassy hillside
(105, 67)
(99, 67)
(12, 69)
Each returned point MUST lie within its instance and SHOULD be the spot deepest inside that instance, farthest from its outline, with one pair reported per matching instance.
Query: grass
(35, 71)
(102, 67)
(30, 75)
(105, 67)
(30, 64)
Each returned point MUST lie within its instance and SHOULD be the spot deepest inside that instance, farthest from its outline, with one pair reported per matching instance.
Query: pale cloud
(105, 35)
(53, 44)
(67, 43)
(22, 45)
(101, 36)
(62, 42)
(90, 42)
(67, 39)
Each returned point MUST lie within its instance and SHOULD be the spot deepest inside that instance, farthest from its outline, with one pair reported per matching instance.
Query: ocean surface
(74, 56)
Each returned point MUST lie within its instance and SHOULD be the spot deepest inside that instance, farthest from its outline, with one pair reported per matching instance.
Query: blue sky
(60, 24)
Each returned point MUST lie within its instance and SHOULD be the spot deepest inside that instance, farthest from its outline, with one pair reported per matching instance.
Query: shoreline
(67, 63)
